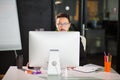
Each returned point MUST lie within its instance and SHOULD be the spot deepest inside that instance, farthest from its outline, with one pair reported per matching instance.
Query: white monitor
(67, 45)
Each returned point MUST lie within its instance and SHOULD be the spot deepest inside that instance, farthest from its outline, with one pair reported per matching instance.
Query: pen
(104, 53)
(110, 58)
(105, 57)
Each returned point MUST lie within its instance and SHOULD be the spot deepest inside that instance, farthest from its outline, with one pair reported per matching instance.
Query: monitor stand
(54, 63)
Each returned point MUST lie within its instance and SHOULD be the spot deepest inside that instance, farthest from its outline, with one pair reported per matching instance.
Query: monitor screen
(67, 45)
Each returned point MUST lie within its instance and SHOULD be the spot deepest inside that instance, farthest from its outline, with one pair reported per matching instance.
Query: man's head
(62, 22)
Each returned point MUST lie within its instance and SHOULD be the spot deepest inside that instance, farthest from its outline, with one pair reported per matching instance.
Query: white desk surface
(17, 74)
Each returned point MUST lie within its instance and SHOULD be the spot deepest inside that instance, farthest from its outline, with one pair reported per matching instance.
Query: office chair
(83, 40)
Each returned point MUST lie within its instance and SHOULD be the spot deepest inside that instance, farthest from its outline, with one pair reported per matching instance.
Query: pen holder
(107, 66)
(107, 62)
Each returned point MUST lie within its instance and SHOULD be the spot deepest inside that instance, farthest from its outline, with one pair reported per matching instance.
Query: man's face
(62, 24)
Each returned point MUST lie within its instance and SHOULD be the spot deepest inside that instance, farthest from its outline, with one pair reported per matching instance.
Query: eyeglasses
(62, 24)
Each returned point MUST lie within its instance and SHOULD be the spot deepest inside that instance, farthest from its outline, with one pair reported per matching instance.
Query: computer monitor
(66, 44)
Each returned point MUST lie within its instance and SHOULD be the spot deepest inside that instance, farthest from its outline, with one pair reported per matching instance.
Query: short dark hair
(63, 15)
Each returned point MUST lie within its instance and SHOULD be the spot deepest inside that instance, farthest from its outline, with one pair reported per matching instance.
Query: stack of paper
(88, 68)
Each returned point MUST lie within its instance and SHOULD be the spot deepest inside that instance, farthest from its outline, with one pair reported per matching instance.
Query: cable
(15, 53)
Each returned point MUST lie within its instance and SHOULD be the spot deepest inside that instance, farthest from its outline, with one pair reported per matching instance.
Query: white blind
(9, 26)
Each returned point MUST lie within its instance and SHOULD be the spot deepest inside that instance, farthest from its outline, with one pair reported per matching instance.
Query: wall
(34, 14)
(118, 45)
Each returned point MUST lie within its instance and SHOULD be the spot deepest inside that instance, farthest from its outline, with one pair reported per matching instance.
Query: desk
(16, 74)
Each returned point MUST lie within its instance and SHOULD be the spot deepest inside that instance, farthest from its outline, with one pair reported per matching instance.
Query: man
(63, 23)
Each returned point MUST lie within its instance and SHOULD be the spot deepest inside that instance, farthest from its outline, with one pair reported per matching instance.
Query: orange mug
(107, 66)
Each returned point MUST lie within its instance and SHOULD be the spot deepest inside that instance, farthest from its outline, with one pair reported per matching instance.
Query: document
(88, 68)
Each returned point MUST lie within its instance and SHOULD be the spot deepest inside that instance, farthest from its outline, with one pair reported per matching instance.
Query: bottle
(19, 61)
